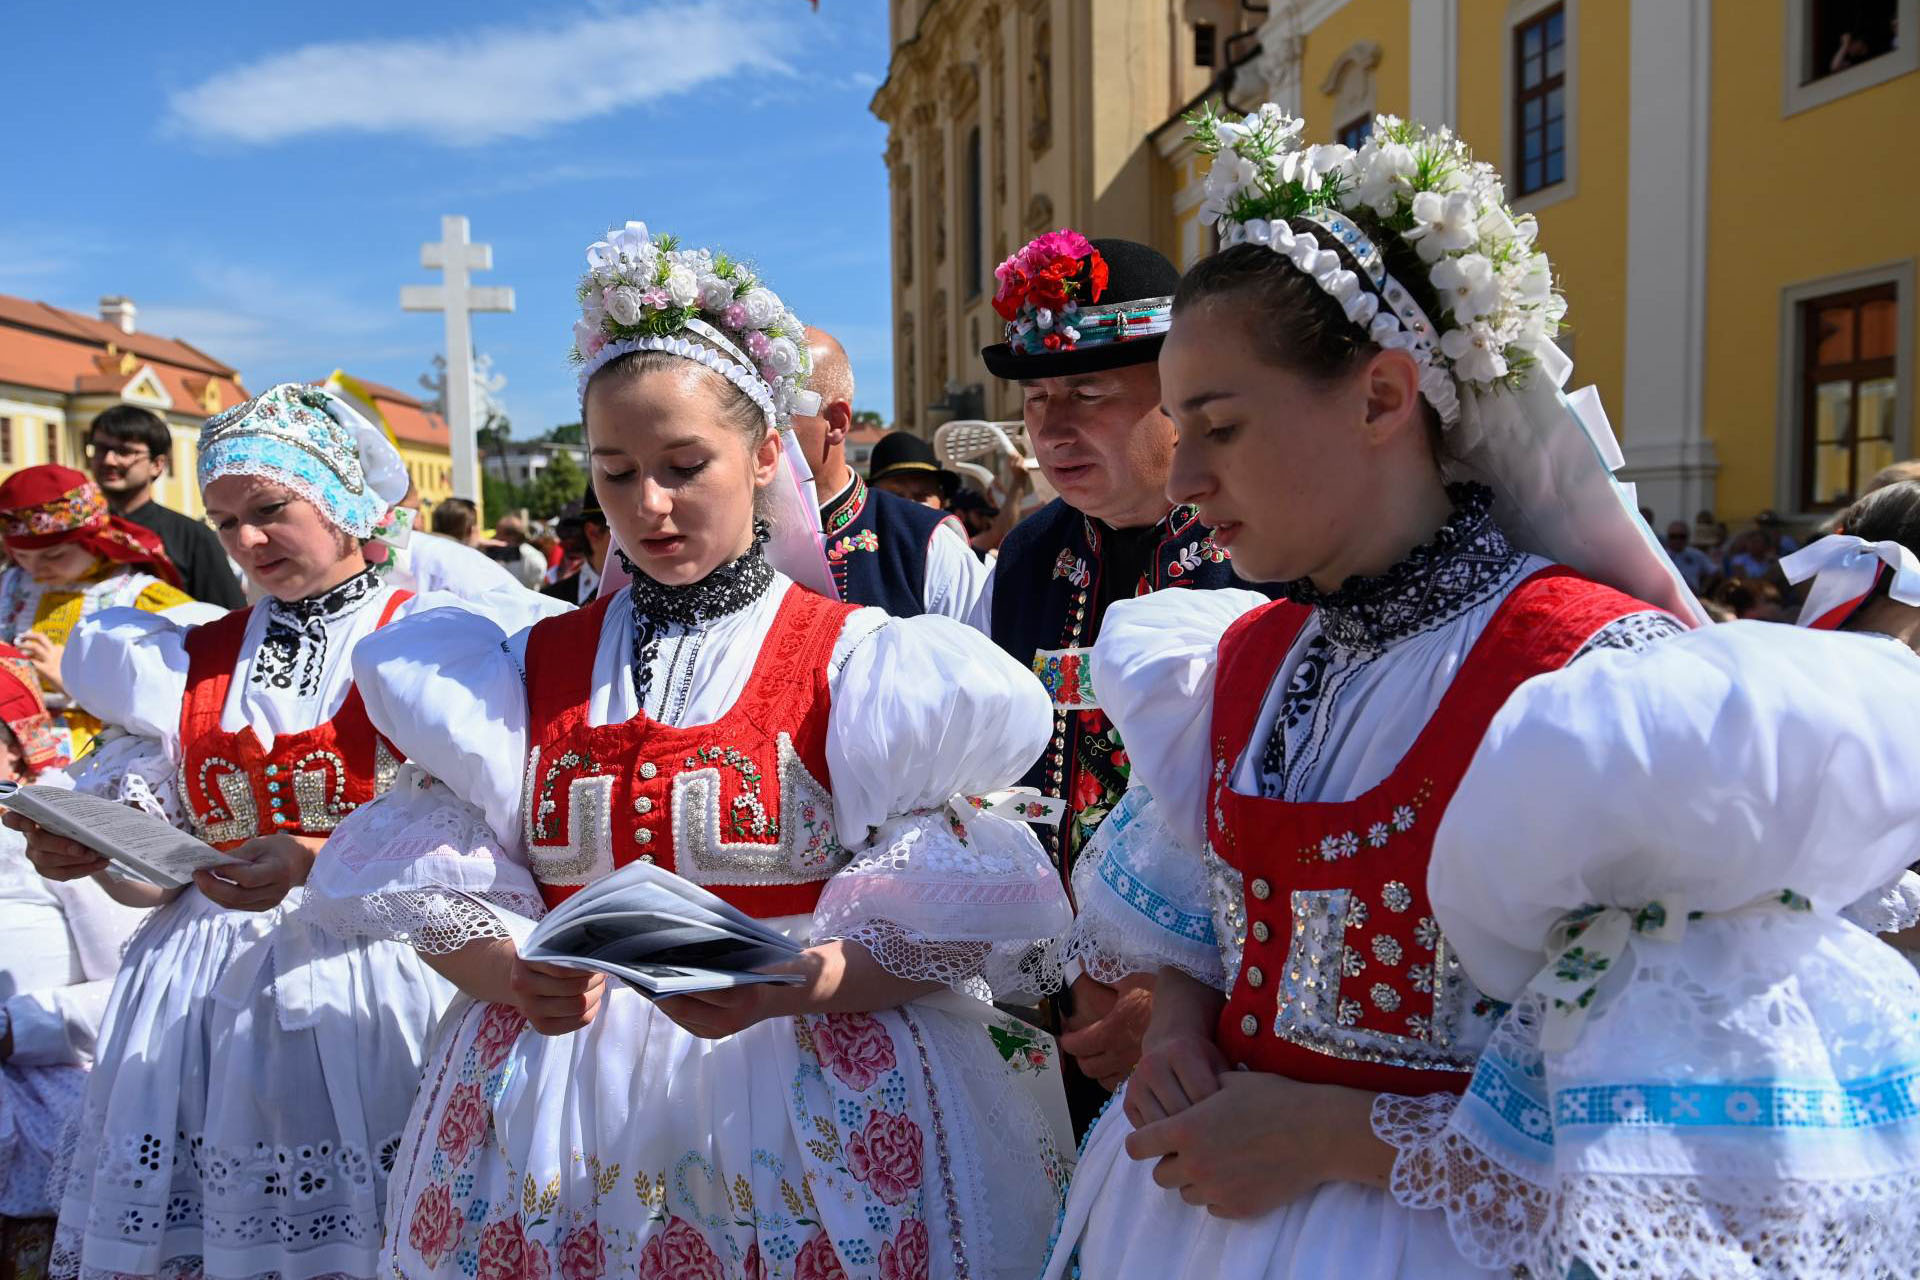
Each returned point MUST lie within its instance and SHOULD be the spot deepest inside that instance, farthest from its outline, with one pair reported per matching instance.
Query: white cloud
(276, 329)
(499, 82)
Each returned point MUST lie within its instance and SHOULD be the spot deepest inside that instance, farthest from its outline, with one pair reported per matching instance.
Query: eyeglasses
(124, 452)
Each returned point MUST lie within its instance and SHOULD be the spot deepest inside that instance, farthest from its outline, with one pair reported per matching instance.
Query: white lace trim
(432, 921)
(984, 970)
(1142, 902)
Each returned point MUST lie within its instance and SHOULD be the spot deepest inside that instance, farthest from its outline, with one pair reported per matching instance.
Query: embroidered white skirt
(1122, 1225)
(889, 1146)
(248, 1096)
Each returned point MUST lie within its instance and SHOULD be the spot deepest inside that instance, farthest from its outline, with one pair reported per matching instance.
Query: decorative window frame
(1519, 13)
(1796, 97)
(1792, 428)
(1351, 100)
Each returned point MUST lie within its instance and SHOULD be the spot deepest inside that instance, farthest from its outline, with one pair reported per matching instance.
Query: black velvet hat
(903, 453)
(1126, 325)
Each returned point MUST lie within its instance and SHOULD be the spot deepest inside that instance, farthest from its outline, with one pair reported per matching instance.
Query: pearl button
(1262, 890)
(646, 857)
(649, 769)
(643, 804)
(1255, 978)
(1260, 931)
(644, 835)
(1250, 1025)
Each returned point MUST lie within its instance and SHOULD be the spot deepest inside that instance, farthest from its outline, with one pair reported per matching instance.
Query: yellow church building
(1718, 182)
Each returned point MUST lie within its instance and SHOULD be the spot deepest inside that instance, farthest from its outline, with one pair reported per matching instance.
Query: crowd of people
(1332, 836)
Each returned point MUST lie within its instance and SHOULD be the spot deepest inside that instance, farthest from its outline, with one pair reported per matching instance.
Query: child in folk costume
(1370, 414)
(804, 760)
(1709, 1070)
(256, 1074)
(71, 559)
(63, 946)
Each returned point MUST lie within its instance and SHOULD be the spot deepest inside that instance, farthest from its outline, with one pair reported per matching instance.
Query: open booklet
(142, 846)
(660, 934)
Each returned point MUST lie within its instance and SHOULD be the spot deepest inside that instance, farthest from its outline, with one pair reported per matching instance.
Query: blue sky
(258, 178)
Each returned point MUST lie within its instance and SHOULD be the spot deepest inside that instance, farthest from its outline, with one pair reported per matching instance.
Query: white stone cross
(455, 255)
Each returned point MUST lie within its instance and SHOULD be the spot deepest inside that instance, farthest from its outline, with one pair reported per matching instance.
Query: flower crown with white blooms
(646, 293)
(1496, 295)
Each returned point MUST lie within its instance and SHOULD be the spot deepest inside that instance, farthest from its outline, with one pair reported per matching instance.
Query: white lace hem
(984, 970)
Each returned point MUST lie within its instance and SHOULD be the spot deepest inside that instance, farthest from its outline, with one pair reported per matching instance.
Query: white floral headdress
(646, 293)
(1497, 302)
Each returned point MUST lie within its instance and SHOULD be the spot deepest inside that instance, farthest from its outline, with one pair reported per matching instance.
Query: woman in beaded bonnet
(1370, 416)
(256, 1073)
(802, 759)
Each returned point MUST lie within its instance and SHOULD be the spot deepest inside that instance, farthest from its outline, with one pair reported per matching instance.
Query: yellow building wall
(1791, 200)
(431, 469)
(1384, 22)
(1584, 234)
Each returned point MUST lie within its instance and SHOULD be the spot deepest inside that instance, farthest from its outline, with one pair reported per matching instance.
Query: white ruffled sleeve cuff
(1143, 902)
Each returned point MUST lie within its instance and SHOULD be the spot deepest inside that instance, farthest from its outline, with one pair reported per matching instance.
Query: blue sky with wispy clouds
(258, 178)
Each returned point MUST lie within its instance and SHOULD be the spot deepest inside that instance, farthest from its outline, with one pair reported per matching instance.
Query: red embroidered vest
(735, 806)
(235, 789)
(1344, 976)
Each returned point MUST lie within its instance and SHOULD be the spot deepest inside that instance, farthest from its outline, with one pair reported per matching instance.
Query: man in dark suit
(128, 448)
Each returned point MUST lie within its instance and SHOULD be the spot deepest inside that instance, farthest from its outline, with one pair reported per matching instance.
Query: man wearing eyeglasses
(128, 448)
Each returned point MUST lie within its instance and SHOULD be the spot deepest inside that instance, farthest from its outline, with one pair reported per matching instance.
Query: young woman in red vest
(255, 1073)
(1369, 413)
(802, 759)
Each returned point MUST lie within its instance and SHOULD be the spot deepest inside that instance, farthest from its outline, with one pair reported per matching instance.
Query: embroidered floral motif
(293, 652)
(434, 1229)
(1073, 568)
(887, 1155)
(1068, 677)
(1386, 950)
(907, 1255)
(747, 816)
(816, 1261)
(1384, 997)
(680, 1252)
(841, 548)
(1396, 896)
(855, 1047)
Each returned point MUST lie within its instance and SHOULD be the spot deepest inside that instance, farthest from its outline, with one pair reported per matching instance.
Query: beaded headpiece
(315, 444)
(646, 293)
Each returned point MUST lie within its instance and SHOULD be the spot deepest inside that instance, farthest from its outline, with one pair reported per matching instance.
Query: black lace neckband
(1466, 562)
(728, 589)
(334, 602)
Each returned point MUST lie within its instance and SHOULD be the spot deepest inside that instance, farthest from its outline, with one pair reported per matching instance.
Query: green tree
(559, 483)
(867, 418)
(568, 433)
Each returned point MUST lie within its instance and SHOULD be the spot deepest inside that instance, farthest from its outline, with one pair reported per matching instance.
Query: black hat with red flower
(1074, 305)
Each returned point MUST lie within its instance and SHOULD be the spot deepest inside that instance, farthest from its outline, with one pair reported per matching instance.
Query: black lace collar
(727, 590)
(293, 653)
(1464, 564)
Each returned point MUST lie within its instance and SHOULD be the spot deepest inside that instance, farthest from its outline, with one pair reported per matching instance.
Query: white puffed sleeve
(1148, 891)
(1716, 768)
(129, 668)
(926, 713)
(435, 861)
(1153, 673)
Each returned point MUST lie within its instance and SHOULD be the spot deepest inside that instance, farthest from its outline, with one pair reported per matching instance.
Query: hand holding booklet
(147, 848)
(660, 934)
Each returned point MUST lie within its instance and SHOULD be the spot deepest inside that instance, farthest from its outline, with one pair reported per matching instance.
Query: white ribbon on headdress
(385, 470)
(1550, 460)
(1844, 569)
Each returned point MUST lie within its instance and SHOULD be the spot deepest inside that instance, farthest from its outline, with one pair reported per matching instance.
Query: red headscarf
(24, 711)
(47, 505)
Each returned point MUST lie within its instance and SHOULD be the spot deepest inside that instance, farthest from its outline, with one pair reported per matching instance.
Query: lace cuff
(970, 902)
(1890, 909)
(133, 770)
(1143, 902)
(418, 866)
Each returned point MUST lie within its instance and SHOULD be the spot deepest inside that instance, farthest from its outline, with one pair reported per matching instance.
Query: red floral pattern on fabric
(499, 1028)
(680, 1253)
(818, 1261)
(908, 1255)
(887, 1155)
(584, 1254)
(754, 1268)
(855, 1047)
(434, 1229)
(507, 1254)
(463, 1124)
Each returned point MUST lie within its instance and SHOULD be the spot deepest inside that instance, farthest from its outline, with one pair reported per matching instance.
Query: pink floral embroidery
(886, 1155)
(754, 1267)
(905, 1257)
(434, 1229)
(463, 1124)
(818, 1261)
(855, 1047)
(507, 1254)
(583, 1256)
(680, 1253)
(500, 1026)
